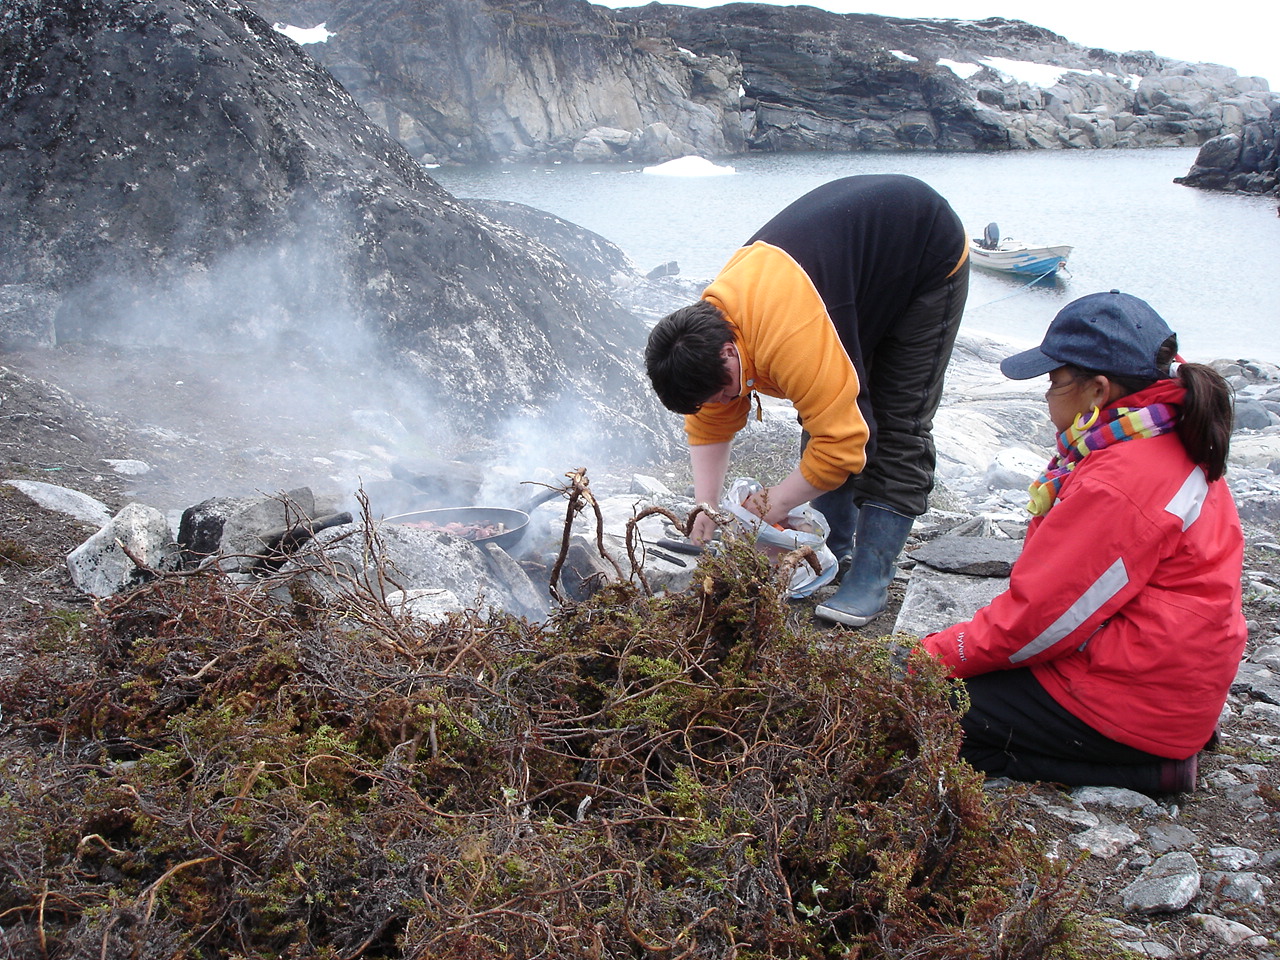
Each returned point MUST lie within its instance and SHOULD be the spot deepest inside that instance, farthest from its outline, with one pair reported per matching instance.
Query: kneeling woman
(1109, 658)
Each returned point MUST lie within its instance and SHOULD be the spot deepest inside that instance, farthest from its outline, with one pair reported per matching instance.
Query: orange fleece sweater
(795, 355)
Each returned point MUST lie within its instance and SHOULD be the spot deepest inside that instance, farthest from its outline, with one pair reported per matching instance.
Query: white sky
(1244, 34)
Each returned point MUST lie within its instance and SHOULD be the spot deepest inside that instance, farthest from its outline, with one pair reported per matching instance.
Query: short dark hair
(683, 358)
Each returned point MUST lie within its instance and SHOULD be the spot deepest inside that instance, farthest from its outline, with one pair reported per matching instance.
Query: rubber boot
(837, 507)
(864, 591)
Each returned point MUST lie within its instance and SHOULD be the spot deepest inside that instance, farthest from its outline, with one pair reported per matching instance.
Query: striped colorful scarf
(1074, 444)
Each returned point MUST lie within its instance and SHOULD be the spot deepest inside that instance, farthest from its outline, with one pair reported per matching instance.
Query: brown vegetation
(215, 771)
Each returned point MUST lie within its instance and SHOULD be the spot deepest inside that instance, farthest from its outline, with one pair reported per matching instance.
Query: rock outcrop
(179, 173)
(1244, 162)
(466, 80)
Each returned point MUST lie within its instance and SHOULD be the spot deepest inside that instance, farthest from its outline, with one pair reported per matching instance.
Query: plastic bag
(803, 527)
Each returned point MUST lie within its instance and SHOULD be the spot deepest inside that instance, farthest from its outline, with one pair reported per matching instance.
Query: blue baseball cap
(1109, 332)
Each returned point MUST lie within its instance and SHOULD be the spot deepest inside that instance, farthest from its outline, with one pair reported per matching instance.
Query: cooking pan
(513, 521)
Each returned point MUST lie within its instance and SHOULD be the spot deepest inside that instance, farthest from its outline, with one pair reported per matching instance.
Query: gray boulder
(528, 600)
(974, 556)
(1247, 161)
(101, 566)
(431, 604)
(1251, 415)
(601, 145)
(235, 531)
(64, 500)
(1257, 682)
(935, 600)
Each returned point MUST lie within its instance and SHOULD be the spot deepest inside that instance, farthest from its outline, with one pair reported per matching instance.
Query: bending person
(847, 303)
(1108, 660)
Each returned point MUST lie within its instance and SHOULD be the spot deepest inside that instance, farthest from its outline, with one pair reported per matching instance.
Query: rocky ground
(1227, 827)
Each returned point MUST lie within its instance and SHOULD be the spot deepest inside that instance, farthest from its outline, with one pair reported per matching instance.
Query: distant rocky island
(460, 81)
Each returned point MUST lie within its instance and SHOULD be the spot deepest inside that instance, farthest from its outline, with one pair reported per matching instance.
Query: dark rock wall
(180, 173)
(134, 133)
(466, 80)
(816, 80)
(1247, 162)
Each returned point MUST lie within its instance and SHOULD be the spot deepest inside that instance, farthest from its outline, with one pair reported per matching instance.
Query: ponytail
(1205, 423)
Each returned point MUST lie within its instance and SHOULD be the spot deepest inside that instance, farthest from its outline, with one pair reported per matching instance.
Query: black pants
(1015, 729)
(901, 394)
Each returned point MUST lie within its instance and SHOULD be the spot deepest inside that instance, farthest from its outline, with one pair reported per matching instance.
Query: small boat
(1012, 256)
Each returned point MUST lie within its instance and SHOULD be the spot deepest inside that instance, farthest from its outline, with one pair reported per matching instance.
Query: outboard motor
(991, 237)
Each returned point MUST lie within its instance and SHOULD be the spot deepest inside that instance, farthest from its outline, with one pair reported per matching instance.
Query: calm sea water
(1208, 263)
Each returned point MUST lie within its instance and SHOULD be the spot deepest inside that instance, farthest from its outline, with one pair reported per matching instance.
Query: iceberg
(689, 167)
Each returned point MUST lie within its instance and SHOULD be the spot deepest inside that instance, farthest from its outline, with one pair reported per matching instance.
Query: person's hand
(768, 506)
(704, 528)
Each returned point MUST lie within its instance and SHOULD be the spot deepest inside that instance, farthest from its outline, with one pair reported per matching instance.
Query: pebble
(1169, 884)
(1076, 815)
(1233, 858)
(129, 468)
(1119, 798)
(1164, 837)
(1229, 931)
(1240, 887)
(1106, 840)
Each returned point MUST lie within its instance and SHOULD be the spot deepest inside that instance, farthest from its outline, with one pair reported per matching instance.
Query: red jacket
(1126, 600)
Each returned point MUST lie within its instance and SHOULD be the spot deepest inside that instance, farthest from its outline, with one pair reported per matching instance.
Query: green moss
(15, 554)
(62, 631)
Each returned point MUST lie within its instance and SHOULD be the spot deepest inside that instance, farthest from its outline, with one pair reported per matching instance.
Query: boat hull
(1021, 260)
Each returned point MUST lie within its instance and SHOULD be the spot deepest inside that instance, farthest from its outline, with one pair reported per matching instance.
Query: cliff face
(473, 80)
(822, 81)
(178, 173)
(463, 80)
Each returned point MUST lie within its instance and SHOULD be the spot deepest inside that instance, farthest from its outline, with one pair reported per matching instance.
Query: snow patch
(304, 35)
(1043, 75)
(962, 70)
(1022, 71)
(904, 56)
